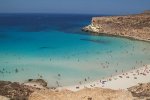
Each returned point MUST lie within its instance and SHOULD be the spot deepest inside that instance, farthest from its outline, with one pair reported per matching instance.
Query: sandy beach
(117, 82)
(123, 86)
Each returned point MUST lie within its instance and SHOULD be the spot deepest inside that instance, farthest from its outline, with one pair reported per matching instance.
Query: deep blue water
(43, 22)
(35, 45)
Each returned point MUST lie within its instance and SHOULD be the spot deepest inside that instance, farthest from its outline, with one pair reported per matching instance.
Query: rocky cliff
(132, 26)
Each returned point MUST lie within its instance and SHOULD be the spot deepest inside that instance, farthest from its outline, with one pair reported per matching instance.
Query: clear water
(53, 47)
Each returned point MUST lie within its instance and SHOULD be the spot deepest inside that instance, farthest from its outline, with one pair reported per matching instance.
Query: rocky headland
(131, 26)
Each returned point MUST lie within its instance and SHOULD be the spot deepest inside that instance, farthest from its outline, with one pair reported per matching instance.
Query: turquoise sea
(53, 47)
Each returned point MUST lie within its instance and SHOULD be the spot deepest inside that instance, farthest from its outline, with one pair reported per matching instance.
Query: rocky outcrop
(141, 91)
(14, 90)
(38, 81)
(17, 91)
(132, 26)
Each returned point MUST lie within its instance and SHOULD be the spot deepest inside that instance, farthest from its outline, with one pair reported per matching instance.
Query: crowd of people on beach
(133, 74)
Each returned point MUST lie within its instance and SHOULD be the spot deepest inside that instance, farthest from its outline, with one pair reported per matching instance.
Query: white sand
(121, 81)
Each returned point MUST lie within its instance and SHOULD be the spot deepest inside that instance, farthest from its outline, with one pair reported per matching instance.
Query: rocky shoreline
(141, 91)
(131, 26)
(16, 91)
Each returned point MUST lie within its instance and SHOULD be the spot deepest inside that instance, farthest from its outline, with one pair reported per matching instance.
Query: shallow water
(53, 47)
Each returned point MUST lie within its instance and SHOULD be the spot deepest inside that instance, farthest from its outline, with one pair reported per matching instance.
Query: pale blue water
(50, 44)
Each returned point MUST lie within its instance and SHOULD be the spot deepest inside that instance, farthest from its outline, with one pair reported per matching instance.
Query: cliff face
(133, 26)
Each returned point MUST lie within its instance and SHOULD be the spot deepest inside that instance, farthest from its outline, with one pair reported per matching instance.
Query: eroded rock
(14, 90)
(141, 91)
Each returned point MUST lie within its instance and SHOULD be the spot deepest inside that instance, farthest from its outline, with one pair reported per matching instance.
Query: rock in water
(38, 81)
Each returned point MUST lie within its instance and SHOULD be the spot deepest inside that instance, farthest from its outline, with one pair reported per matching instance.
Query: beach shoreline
(124, 86)
(116, 82)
